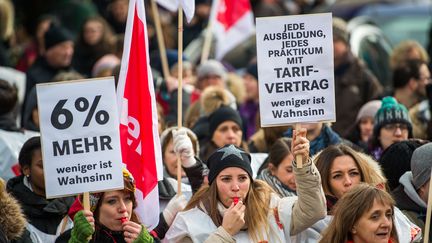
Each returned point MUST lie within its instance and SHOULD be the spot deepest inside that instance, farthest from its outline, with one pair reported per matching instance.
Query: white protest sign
(80, 136)
(295, 69)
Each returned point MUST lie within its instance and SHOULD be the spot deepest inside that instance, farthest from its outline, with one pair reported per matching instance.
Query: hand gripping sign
(80, 136)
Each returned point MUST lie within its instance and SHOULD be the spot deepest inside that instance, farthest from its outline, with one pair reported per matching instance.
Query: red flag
(233, 24)
(139, 138)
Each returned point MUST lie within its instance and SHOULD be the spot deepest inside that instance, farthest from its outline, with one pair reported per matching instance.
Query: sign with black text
(80, 136)
(295, 69)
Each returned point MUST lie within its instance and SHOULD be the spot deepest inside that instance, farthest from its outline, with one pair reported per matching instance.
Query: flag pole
(180, 90)
(209, 33)
(160, 39)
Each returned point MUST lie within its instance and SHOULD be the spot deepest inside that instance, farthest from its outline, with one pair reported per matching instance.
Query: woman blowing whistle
(236, 208)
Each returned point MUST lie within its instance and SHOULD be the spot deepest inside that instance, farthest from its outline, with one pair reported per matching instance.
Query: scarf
(276, 184)
(326, 138)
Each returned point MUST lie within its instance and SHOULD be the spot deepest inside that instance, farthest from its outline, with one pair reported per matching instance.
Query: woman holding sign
(110, 219)
(236, 208)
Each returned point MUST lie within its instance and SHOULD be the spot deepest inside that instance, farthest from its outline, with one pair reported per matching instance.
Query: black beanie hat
(223, 114)
(55, 35)
(228, 156)
(396, 160)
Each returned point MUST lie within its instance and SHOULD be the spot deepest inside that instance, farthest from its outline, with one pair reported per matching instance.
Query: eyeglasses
(394, 126)
(426, 79)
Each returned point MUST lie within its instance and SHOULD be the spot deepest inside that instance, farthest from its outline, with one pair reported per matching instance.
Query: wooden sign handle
(86, 200)
(298, 158)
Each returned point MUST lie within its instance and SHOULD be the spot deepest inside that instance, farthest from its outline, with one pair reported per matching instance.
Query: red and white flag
(233, 24)
(173, 5)
(141, 149)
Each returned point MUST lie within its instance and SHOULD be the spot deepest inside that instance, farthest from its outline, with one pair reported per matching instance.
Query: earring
(354, 231)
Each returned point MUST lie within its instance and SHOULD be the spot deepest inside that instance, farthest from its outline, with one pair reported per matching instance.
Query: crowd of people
(363, 178)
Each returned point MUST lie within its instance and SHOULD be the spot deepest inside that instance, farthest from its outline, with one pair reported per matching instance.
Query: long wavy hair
(257, 207)
(350, 208)
(370, 171)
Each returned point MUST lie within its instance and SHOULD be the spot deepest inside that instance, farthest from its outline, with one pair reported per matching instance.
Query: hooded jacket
(44, 216)
(409, 202)
(12, 220)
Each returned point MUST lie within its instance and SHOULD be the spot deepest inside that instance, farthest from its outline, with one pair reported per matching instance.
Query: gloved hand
(175, 205)
(183, 146)
(144, 237)
(82, 229)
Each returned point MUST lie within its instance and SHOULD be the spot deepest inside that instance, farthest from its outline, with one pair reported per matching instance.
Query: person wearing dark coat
(46, 217)
(411, 195)
(354, 82)
(59, 49)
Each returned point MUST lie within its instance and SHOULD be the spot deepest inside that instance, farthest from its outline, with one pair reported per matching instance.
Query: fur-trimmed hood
(12, 220)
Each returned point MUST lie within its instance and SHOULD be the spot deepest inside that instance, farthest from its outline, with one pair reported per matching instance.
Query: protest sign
(80, 136)
(295, 69)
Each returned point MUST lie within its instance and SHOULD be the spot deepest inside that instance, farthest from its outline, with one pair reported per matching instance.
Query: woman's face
(35, 170)
(115, 206)
(284, 172)
(344, 175)
(170, 160)
(93, 31)
(392, 133)
(227, 132)
(366, 125)
(375, 225)
(232, 182)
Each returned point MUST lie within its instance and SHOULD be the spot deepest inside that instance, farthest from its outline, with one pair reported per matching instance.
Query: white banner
(80, 136)
(295, 69)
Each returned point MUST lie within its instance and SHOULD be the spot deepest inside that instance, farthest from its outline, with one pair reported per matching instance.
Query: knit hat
(368, 110)
(421, 163)
(95, 197)
(211, 67)
(56, 35)
(391, 112)
(252, 69)
(340, 30)
(396, 160)
(228, 156)
(223, 114)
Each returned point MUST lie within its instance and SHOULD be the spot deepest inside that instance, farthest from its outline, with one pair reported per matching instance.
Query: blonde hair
(6, 19)
(212, 98)
(257, 209)
(401, 51)
(235, 84)
(350, 208)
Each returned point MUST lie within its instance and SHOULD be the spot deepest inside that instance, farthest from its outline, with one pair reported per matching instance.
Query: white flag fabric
(139, 138)
(233, 23)
(173, 5)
